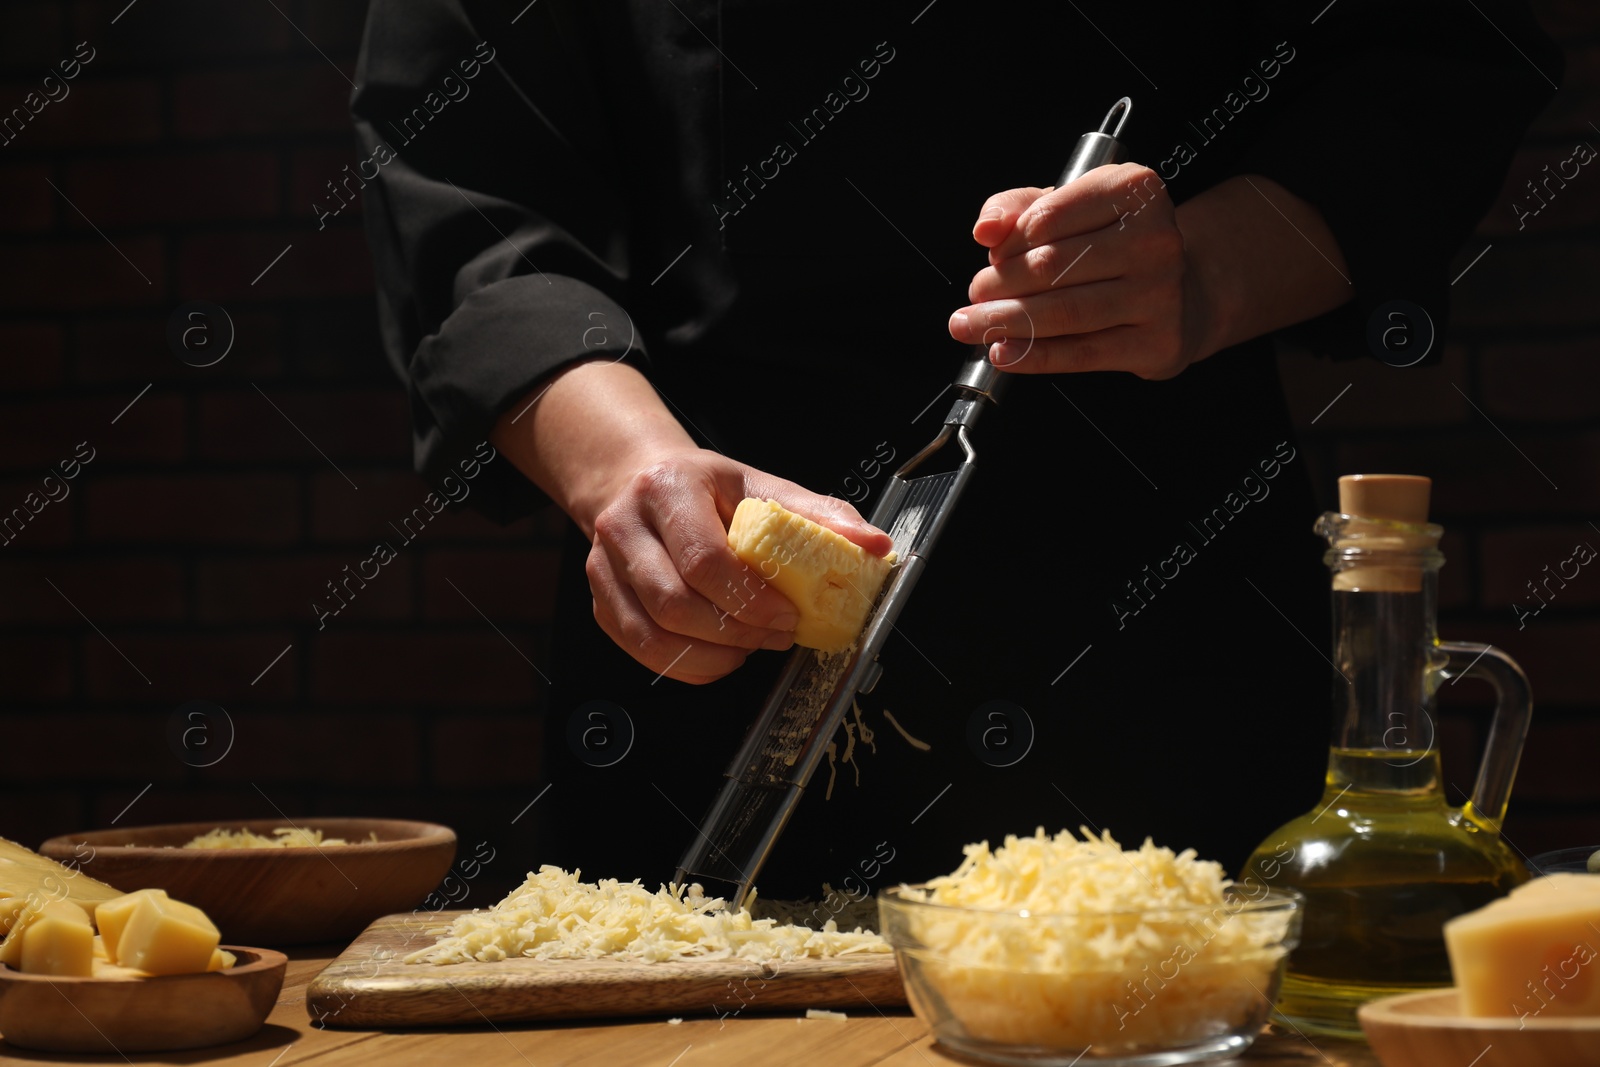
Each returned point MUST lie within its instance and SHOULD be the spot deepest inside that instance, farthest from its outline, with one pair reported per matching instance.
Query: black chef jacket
(767, 206)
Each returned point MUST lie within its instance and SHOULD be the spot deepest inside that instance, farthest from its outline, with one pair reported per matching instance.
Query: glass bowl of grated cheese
(1054, 950)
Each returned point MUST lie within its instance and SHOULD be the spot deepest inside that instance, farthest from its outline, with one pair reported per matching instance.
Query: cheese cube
(221, 960)
(191, 914)
(10, 908)
(59, 941)
(12, 947)
(164, 936)
(1535, 953)
(113, 915)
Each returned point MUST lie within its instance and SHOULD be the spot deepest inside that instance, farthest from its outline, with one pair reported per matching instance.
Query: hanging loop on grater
(785, 744)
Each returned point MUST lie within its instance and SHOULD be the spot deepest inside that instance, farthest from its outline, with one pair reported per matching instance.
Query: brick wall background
(197, 140)
(1508, 426)
(182, 563)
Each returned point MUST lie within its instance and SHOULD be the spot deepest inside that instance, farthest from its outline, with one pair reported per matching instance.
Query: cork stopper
(1384, 513)
(1396, 497)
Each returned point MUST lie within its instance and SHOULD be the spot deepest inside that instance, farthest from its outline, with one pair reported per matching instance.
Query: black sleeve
(495, 227)
(1398, 124)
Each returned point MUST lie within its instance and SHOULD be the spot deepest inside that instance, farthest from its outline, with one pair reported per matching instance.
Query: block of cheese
(59, 941)
(165, 936)
(27, 875)
(221, 960)
(113, 915)
(1552, 885)
(1535, 953)
(832, 581)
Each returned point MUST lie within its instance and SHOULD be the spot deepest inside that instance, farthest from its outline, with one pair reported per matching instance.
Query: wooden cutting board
(369, 986)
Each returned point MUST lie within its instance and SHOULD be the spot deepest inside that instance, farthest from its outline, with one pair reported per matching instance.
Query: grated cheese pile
(553, 915)
(283, 837)
(1119, 949)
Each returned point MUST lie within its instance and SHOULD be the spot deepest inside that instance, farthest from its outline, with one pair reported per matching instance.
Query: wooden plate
(274, 896)
(371, 986)
(110, 1015)
(1428, 1030)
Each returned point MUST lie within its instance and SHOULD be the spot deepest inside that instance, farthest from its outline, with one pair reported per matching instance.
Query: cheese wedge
(832, 581)
(26, 874)
(1533, 954)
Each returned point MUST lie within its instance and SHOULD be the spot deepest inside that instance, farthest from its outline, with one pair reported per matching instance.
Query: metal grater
(786, 743)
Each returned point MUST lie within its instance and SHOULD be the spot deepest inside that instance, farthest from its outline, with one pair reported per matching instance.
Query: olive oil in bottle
(1382, 860)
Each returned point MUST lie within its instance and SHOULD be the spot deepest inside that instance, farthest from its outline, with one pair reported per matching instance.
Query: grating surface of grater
(807, 696)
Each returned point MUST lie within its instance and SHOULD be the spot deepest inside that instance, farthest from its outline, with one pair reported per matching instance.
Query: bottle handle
(1509, 729)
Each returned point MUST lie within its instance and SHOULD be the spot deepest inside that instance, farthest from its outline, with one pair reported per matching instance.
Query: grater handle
(978, 376)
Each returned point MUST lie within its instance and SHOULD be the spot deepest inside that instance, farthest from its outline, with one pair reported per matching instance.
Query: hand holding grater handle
(785, 744)
(979, 376)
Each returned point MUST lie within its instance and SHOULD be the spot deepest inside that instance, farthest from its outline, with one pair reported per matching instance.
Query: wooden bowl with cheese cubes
(1527, 986)
(155, 976)
(260, 892)
(1428, 1029)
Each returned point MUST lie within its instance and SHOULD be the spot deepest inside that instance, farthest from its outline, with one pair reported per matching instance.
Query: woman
(665, 256)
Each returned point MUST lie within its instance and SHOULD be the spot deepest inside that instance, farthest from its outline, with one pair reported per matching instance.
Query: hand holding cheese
(667, 589)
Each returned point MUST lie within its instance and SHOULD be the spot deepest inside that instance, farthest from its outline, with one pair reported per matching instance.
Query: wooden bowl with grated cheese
(262, 887)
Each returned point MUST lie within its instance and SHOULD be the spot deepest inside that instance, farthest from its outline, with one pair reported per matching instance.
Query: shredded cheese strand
(920, 746)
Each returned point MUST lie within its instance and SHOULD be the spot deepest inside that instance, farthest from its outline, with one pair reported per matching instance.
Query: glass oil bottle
(1383, 861)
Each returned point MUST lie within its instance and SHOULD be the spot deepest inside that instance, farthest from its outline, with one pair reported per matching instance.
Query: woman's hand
(1104, 274)
(1094, 275)
(668, 589)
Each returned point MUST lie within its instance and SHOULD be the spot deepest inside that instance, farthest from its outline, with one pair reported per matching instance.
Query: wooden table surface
(892, 1039)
